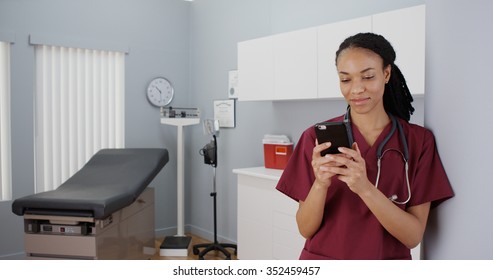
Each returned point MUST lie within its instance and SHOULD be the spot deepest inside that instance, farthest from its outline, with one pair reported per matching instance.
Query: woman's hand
(322, 165)
(311, 211)
(407, 226)
(351, 169)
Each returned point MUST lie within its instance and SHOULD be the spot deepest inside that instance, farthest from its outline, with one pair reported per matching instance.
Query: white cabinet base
(266, 218)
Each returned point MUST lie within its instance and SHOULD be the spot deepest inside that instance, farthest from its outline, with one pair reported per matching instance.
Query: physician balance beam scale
(178, 244)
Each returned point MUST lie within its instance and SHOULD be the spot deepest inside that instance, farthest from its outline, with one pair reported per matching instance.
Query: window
(79, 109)
(5, 154)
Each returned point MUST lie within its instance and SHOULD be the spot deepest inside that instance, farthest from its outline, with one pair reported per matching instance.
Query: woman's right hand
(320, 164)
(311, 211)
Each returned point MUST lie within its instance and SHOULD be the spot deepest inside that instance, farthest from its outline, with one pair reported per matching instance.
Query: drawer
(60, 245)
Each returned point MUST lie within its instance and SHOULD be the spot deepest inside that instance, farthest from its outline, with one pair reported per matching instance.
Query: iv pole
(212, 127)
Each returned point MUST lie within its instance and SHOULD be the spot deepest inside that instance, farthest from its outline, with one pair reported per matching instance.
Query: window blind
(5, 154)
(79, 109)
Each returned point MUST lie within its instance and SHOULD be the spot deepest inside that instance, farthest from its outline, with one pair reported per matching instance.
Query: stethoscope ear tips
(393, 197)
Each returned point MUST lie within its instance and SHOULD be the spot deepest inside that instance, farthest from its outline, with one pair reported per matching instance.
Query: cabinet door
(256, 70)
(405, 30)
(330, 36)
(287, 242)
(295, 65)
(254, 218)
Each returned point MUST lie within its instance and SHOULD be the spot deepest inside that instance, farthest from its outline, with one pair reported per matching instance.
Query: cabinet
(301, 64)
(295, 65)
(405, 29)
(256, 69)
(279, 67)
(330, 36)
(266, 218)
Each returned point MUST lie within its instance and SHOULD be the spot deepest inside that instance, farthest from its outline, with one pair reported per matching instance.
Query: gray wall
(194, 44)
(157, 34)
(459, 111)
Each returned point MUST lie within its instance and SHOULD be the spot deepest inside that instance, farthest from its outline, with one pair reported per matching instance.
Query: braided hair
(397, 98)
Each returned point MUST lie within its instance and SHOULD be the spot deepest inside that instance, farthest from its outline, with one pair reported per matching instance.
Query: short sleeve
(430, 183)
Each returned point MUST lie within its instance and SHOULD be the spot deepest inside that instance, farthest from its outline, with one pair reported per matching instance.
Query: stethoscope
(381, 153)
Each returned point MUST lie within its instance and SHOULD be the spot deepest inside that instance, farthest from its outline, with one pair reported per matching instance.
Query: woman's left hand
(353, 172)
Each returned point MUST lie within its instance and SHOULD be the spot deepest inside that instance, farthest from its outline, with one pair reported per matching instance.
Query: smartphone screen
(334, 132)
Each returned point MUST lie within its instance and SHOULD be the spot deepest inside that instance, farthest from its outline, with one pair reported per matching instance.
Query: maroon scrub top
(349, 230)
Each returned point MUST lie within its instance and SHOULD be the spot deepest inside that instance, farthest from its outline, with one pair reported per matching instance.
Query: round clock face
(160, 92)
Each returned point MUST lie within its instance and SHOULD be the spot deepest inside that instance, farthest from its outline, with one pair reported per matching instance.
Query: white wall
(459, 110)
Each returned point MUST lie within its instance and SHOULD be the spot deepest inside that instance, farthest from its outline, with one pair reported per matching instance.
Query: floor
(212, 255)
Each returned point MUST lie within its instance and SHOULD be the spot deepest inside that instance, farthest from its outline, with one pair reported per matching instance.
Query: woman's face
(362, 79)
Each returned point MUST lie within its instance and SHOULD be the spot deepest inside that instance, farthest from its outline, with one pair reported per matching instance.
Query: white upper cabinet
(295, 65)
(405, 30)
(301, 64)
(256, 69)
(279, 67)
(330, 36)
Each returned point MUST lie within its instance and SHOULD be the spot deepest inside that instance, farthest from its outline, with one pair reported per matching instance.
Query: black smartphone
(336, 133)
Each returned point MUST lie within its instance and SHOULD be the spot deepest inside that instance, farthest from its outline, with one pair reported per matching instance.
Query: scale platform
(176, 246)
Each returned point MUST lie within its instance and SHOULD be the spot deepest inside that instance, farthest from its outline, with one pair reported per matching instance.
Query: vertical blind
(5, 154)
(79, 109)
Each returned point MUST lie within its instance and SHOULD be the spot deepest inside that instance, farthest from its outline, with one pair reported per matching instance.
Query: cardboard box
(277, 150)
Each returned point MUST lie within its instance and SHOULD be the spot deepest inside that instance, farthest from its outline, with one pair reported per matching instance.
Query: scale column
(180, 189)
(178, 244)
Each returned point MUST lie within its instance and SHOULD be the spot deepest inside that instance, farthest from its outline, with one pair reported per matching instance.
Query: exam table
(104, 211)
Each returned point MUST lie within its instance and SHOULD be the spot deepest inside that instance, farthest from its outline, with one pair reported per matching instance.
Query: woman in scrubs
(342, 214)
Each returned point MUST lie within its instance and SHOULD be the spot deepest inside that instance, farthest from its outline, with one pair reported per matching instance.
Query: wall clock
(160, 92)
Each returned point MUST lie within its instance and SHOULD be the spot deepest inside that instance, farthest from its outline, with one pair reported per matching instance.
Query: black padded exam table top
(112, 179)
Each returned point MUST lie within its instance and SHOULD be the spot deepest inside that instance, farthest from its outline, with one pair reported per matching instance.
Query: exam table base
(126, 234)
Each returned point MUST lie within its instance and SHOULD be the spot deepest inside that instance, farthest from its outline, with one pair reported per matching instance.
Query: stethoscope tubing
(404, 153)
